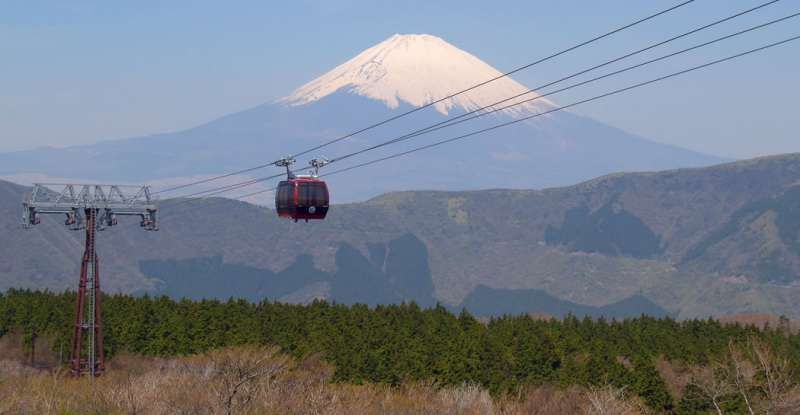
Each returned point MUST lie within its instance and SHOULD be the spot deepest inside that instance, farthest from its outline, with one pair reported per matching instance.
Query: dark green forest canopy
(394, 343)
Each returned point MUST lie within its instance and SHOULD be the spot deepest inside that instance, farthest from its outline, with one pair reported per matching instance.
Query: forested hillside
(399, 343)
(692, 243)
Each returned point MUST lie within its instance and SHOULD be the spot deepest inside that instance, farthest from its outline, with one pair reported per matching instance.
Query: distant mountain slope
(771, 226)
(397, 75)
(485, 301)
(358, 281)
(402, 274)
(713, 238)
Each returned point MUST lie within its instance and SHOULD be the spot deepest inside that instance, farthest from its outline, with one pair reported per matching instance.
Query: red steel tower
(91, 208)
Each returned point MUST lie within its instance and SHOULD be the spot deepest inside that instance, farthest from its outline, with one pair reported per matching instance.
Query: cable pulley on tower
(72, 200)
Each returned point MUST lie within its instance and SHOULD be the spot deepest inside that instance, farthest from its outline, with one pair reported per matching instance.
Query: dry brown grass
(254, 380)
(610, 400)
(258, 380)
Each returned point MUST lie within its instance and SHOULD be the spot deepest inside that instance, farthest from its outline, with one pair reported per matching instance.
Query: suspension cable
(432, 103)
(561, 108)
(456, 120)
(451, 121)
(584, 101)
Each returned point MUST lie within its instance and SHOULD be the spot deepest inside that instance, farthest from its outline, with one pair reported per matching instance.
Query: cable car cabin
(302, 197)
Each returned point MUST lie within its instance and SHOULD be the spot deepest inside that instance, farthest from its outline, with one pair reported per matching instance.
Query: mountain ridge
(495, 238)
(419, 69)
(558, 149)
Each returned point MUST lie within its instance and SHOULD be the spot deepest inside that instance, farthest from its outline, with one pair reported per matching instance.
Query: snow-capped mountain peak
(417, 69)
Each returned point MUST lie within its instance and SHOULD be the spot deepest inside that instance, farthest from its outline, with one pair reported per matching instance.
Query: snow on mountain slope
(378, 84)
(418, 69)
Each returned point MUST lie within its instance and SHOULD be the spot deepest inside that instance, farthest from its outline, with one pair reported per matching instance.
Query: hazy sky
(74, 72)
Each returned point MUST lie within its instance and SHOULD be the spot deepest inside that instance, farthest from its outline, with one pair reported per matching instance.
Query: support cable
(432, 103)
(595, 98)
(460, 118)
(584, 101)
(476, 114)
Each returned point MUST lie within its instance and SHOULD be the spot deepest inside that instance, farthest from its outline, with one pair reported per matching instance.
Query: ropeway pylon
(92, 207)
(88, 320)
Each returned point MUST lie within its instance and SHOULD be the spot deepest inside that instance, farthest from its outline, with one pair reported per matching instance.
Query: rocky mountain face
(689, 242)
(400, 74)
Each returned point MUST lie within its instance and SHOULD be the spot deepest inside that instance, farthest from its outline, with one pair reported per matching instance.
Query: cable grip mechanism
(317, 164)
(287, 162)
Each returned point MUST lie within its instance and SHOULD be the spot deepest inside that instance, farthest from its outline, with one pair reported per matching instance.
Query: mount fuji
(396, 75)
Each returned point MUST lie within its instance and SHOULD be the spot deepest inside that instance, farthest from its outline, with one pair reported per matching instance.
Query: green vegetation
(611, 230)
(788, 221)
(673, 237)
(400, 343)
(776, 263)
(486, 301)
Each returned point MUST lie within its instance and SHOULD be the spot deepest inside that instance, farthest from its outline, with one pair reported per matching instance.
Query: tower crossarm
(73, 199)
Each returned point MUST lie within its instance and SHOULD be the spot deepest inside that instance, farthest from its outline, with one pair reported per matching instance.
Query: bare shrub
(713, 384)
(252, 380)
(676, 376)
(239, 374)
(466, 399)
(781, 395)
(13, 368)
(610, 400)
(11, 347)
(10, 394)
(143, 394)
(543, 400)
(763, 380)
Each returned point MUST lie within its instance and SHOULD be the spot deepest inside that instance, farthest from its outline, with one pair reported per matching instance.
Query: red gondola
(302, 197)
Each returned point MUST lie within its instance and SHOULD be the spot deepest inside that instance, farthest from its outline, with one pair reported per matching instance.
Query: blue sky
(75, 72)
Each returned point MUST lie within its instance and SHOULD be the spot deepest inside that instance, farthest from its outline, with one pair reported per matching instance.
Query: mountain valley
(430, 246)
